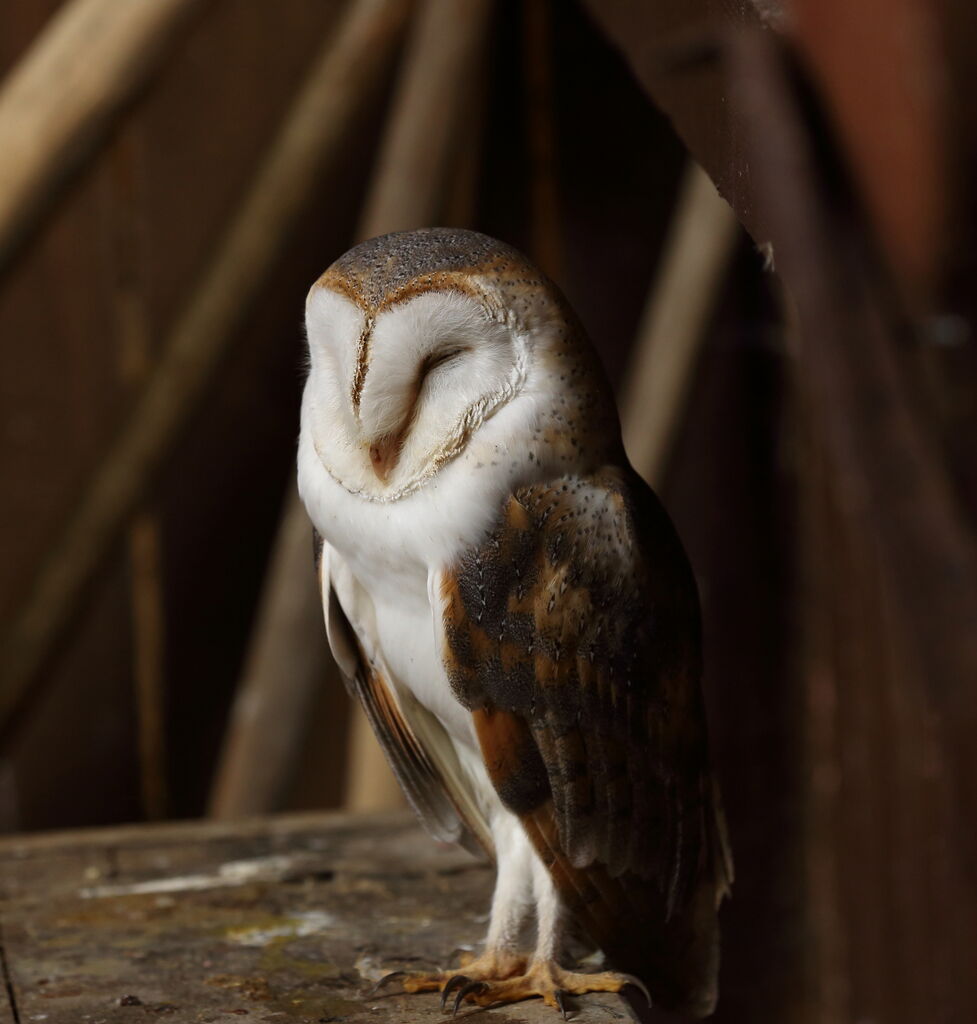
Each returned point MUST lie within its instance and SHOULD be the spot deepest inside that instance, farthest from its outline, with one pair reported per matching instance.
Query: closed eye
(432, 362)
(429, 364)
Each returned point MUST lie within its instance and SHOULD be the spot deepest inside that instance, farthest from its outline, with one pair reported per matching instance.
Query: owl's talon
(506, 977)
(384, 980)
(630, 979)
(543, 979)
(472, 988)
(455, 981)
(559, 995)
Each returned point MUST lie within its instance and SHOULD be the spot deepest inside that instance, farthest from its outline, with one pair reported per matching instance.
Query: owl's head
(415, 340)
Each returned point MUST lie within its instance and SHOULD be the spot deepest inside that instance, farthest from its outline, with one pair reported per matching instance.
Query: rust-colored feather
(572, 635)
(431, 791)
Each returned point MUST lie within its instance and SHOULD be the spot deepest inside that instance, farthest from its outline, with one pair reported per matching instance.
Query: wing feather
(573, 637)
(415, 745)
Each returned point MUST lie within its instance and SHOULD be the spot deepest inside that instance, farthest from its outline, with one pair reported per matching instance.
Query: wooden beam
(891, 477)
(408, 191)
(279, 919)
(127, 286)
(60, 101)
(546, 235)
(287, 662)
(675, 49)
(348, 68)
(696, 255)
(437, 87)
(890, 649)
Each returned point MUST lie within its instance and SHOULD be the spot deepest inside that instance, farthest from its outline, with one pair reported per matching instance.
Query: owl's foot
(493, 965)
(544, 979)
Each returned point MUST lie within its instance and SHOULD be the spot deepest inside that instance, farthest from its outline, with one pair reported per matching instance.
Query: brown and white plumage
(513, 608)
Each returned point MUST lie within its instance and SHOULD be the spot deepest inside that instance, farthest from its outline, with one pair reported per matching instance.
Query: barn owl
(515, 612)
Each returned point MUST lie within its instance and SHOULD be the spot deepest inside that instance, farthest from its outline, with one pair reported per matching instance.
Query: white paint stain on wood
(235, 872)
(311, 922)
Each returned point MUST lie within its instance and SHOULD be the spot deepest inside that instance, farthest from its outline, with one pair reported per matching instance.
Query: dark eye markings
(432, 362)
(385, 452)
(429, 363)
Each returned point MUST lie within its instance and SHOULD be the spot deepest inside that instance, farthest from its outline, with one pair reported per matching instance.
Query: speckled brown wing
(573, 637)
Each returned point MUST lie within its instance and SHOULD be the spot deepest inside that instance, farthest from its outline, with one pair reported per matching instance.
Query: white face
(435, 367)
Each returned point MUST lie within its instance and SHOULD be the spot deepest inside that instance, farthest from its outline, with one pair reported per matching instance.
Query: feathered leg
(510, 908)
(542, 977)
(503, 974)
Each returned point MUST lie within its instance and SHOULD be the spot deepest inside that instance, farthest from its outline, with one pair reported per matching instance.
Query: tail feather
(678, 958)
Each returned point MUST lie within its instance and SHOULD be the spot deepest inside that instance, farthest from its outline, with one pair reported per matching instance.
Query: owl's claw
(499, 976)
(559, 995)
(385, 980)
(455, 981)
(465, 987)
(492, 966)
(412, 981)
(630, 979)
(543, 979)
(471, 988)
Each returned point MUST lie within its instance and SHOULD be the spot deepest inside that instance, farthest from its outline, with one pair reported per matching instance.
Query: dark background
(838, 687)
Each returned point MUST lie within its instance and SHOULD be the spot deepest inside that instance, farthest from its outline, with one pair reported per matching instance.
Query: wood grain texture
(292, 918)
(347, 68)
(124, 202)
(675, 49)
(61, 99)
(682, 299)
(7, 1004)
(891, 575)
(435, 101)
(287, 663)
(434, 94)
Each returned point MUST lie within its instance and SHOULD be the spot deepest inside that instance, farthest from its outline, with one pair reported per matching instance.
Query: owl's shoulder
(577, 570)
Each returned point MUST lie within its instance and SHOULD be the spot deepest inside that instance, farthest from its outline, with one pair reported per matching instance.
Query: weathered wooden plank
(308, 141)
(61, 99)
(865, 58)
(23, 846)
(674, 47)
(7, 1010)
(292, 919)
(890, 600)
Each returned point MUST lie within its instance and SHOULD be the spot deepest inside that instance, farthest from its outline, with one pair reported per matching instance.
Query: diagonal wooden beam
(888, 474)
(408, 191)
(696, 257)
(675, 49)
(431, 109)
(60, 101)
(350, 65)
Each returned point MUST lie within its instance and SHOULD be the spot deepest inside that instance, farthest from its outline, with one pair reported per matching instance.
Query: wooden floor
(287, 919)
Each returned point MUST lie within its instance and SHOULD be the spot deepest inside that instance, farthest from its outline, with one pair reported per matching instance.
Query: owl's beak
(384, 453)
